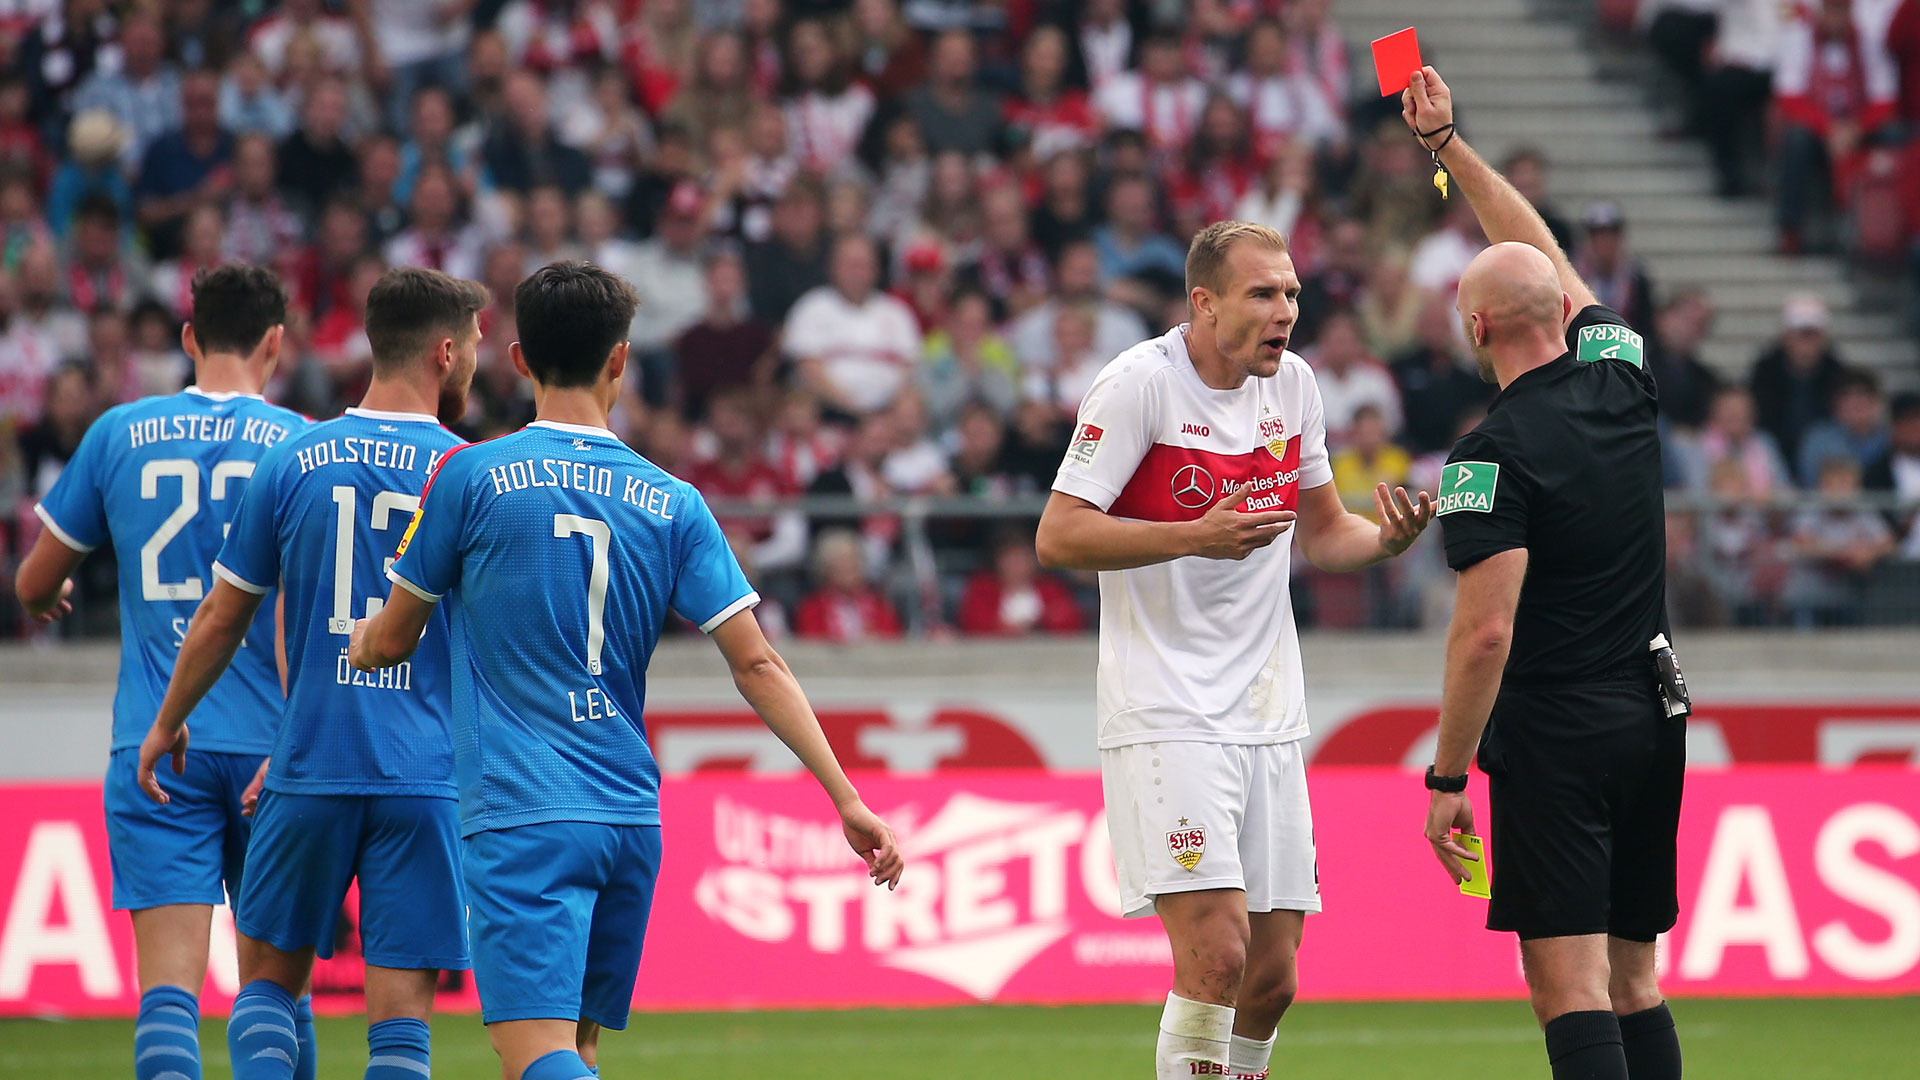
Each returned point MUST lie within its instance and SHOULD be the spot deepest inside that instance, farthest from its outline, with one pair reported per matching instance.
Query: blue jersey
(322, 520)
(161, 478)
(559, 552)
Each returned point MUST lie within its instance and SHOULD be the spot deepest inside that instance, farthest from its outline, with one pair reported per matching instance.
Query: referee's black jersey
(1567, 466)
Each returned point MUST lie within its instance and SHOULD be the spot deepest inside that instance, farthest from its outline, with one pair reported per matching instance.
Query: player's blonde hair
(1207, 255)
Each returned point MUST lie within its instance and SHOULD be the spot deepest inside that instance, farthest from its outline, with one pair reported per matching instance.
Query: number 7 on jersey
(565, 525)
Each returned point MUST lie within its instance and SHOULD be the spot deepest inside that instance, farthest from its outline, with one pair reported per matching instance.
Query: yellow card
(1478, 882)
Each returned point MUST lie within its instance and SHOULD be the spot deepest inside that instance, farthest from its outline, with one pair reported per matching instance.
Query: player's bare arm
(1338, 540)
(1478, 640)
(215, 633)
(1074, 534)
(44, 581)
(1504, 213)
(768, 685)
(392, 634)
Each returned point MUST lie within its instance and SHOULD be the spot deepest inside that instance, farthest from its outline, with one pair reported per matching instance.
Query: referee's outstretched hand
(1227, 533)
(1447, 811)
(1427, 105)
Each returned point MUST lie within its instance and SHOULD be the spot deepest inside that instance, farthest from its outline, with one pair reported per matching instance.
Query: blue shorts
(307, 849)
(183, 852)
(558, 911)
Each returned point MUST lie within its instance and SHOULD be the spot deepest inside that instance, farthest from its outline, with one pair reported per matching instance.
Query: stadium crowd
(882, 248)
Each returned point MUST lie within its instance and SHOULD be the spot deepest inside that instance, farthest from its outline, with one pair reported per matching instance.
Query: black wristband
(1435, 131)
(1452, 785)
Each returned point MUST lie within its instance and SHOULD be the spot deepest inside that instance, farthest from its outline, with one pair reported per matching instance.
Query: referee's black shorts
(1585, 790)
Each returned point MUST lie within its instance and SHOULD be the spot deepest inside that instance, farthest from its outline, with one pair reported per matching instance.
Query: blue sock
(308, 1064)
(260, 1033)
(166, 1037)
(559, 1065)
(399, 1050)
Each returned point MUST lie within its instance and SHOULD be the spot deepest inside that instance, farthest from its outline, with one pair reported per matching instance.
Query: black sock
(1586, 1046)
(1653, 1046)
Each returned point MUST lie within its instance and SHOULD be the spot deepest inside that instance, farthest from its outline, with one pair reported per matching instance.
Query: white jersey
(1197, 649)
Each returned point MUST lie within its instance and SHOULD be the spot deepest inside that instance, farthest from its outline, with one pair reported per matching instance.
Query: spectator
(1794, 379)
(1391, 192)
(659, 51)
(1736, 88)
(1390, 309)
(94, 143)
(1077, 363)
(826, 110)
(979, 458)
(1526, 170)
(1338, 284)
(1369, 457)
(1065, 214)
(548, 233)
(1049, 116)
(336, 37)
(1318, 47)
(916, 465)
(904, 173)
(419, 45)
(1442, 255)
(860, 472)
(379, 175)
(1436, 380)
(431, 140)
(1350, 379)
(1008, 266)
(58, 54)
(1130, 244)
(793, 259)
(801, 446)
(926, 285)
(1160, 100)
(846, 607)
(315, 161)
(746, 187)
(522, 152)
(738, 470)
(41, 310)
(100, 273)
(613, 133)
(888, 54)
(1903, 44)
(1617, 278)
(185, 166)
(22, 149)
(727, 347)
(1835, 88)
(261, 228)
(1013, 598)
(854, 345)
(1897, 473)
(950, 216)
(1686, 383)
(162, 365)
(1106, 40)
(719, 95)
(1857, 432)
(1218, 170)
(142, 91)
(109, 359)
(250, 104)
(1116, 328)
(1730, 436)
(436, 239)
(1742, 554)
(952, 111)
(46, 447)
(317, 273)
(669, 275)
(340, 341)
(966, 361)
(1284, 104)
(1277, 198)
(28, 356)
(1838, 544)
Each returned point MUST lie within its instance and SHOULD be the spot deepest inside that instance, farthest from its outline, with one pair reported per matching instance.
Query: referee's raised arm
(1505, 214)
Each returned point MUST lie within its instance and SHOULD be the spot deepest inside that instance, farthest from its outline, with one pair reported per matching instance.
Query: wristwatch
(1452, 785)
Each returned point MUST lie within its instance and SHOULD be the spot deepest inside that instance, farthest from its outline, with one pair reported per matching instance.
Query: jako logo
(1195, 429)
(987, 889)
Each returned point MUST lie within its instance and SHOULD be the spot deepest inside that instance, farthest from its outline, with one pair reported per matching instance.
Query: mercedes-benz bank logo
(1192, 486)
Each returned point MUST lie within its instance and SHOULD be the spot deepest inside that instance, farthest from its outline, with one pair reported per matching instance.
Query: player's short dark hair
(234, 305)
(411, 307)
(571, 315)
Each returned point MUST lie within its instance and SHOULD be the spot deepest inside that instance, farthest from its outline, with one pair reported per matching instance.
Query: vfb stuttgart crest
(1187, 844)
(1273, 433)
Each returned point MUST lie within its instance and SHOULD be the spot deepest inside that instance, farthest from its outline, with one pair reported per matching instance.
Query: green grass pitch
(1803, 1039)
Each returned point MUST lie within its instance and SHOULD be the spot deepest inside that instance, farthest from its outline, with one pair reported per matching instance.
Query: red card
(1395, 58)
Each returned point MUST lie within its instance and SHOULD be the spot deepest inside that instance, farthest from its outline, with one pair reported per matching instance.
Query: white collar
(576, 429)
(380, 414)
(221, 395)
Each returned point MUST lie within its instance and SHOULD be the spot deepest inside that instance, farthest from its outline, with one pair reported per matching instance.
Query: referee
(1553, 517)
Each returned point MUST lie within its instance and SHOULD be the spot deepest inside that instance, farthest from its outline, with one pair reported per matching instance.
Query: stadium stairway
(1533, 72)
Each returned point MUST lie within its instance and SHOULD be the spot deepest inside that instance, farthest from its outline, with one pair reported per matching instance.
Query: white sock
(1193, 1040)
(1247, 1058)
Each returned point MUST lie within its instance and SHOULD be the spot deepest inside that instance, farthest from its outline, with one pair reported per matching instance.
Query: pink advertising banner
(1793, 880)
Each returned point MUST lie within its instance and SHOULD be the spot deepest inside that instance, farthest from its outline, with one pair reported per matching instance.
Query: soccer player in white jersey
(1198, 458)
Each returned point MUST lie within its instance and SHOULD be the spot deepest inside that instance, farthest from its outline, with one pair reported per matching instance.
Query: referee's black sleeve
(1485, 494)
(1599, 334)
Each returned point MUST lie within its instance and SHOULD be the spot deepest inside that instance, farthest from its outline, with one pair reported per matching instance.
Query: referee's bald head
(1509, 294)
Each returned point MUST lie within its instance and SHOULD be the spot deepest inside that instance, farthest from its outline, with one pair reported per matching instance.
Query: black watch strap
(1452, 785)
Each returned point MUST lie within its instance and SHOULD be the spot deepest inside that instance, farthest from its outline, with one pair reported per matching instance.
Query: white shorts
(1187, 816)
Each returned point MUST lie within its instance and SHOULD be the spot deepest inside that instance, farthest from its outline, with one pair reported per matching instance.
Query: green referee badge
(1610, 341)
(1468, 485)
